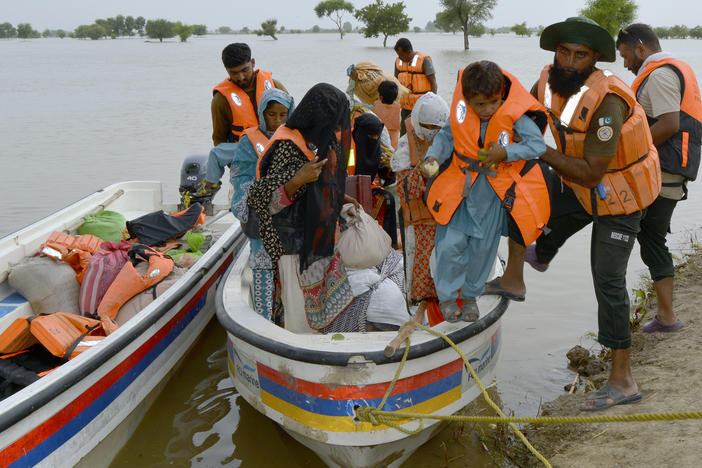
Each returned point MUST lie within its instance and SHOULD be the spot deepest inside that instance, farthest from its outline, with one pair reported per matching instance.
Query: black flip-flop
(496, 290)
(600, 399)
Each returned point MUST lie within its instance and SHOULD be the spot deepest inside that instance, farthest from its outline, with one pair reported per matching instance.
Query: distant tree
(430, 27)
(129, 25)
(107, 24)
(348, 27)
(477, 30)
(25, 31)
(139, 25)
(611, 14)
(7, 31)
(268, 28)
(199, 29)
(183, 31)
(245, 30)
(468, 13)
(662, 32)
(316, 28)
(492, 31)
(92, 31)
(46, 33)
(61, 33)
(228, 30)
(417, 29)
(696, 32)
(120, 27)
(281, 29)
(679, 31)
(386, 19)
(447, 22)
(334, 10)
(521, 29)
(160, 29)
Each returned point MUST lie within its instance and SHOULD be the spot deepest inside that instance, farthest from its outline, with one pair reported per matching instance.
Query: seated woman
(429, 115)
(273, 111)
(297, 199)
(369, 159)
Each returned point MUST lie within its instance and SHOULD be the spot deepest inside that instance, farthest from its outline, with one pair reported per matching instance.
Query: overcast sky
(299, 14)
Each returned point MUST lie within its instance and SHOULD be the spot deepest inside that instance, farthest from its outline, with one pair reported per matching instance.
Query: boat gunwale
(342, 358)
(99, 356)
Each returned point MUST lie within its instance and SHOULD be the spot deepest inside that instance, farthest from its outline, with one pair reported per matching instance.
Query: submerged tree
(334, 10)
(183, 31)
(7, 31)
(521, 29)
(611, 14)
(160, 29)
(268, 28)
(25, 31)
(386, 19)
(468, 14)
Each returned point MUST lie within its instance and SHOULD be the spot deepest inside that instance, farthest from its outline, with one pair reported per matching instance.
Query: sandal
(450, 311)
(470, 311)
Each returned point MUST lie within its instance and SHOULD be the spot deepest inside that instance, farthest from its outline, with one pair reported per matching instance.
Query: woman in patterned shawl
(298, 201)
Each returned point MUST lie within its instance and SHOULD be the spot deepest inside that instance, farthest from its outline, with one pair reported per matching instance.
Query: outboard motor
(192, 184)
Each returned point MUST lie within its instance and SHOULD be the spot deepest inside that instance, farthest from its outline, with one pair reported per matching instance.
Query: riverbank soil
(668, 370)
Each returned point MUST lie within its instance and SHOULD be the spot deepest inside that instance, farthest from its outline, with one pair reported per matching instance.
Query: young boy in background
(388, 111)
(477, 162)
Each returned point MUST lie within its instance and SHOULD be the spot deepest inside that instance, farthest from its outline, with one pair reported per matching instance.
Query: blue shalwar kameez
(466, 247)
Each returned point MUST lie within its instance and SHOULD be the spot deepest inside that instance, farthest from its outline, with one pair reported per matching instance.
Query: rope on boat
(395, 419)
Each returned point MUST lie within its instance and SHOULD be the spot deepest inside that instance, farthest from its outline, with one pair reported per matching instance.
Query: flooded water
(76, 116)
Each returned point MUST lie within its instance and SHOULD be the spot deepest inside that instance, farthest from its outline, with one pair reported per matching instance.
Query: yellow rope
(395, 419)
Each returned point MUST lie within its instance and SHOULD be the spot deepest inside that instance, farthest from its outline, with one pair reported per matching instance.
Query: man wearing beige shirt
(667, 90)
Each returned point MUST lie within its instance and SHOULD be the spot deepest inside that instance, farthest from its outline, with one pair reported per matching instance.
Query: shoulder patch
(605, 133)
(605, 121)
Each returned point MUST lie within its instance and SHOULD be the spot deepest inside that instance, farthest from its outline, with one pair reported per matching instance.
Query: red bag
(101, 272)
(359, 187)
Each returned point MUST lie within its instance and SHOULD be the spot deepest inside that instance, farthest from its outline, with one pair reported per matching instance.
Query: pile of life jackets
(108, 275)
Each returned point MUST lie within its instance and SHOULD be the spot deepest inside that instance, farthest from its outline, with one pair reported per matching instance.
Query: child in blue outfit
(494, 128)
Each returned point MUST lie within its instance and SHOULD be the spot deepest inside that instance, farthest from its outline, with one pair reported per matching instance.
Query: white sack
(364, 244)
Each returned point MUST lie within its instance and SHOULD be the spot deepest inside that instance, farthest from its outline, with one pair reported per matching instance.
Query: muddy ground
(668, 370)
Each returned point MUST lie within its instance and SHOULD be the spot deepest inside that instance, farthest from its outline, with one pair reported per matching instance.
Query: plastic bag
(195, 241)
(364, 244)
(107, 225)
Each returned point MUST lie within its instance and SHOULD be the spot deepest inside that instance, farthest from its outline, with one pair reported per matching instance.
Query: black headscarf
(322, 112)
(368, 150)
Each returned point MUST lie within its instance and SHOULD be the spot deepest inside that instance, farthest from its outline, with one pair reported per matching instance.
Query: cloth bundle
(364, 244)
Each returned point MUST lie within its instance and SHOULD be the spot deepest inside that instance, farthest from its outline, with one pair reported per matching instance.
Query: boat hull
(66, 415)
(313, 392)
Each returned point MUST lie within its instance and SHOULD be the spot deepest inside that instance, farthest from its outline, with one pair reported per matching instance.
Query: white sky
(68, 14)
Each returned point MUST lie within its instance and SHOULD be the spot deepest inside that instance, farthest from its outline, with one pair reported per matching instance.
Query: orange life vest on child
(73, 250)
(520, 184)
(243, 111)
(285, 133)
(129, 282)
(679, 154)
(389, 114)
(258, 140)
(411, 75)
(633, 178)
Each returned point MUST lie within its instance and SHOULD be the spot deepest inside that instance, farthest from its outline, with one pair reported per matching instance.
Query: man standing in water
(611, 171)
(235, 100)
(415, 72)
(668, 91)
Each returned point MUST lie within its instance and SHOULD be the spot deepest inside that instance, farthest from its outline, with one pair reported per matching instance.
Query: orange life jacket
(129, 282)
(412, 77)
(243, 110)
(389, 114)
(258, 140)
(633, 178)
(679, 154)
(285, 133)
(63, 335)
(520, 184)
(73, 250)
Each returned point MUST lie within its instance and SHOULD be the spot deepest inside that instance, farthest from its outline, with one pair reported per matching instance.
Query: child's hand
(429, 167)
(492, 156)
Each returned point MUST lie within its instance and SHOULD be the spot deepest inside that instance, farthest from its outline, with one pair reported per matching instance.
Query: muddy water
(79, 115)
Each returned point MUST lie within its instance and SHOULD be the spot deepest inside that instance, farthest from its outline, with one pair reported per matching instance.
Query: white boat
(311, 385)
(84, 411)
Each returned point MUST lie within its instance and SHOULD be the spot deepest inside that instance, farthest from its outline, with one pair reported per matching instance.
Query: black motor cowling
(192, 181)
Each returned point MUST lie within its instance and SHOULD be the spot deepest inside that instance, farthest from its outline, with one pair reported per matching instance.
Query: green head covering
(580, 30)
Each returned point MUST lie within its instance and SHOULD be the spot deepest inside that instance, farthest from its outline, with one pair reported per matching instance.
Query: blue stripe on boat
(345, 407)
(14, 298)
